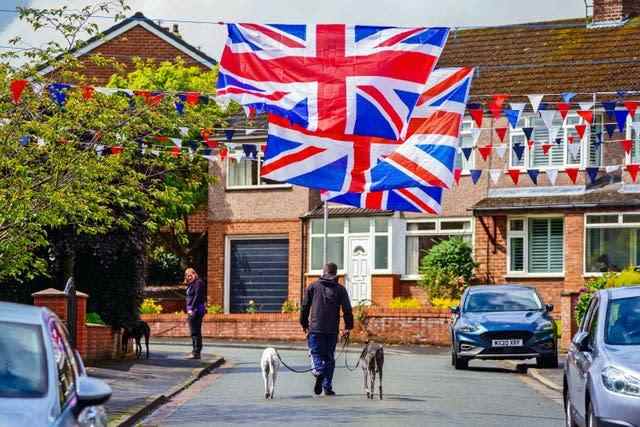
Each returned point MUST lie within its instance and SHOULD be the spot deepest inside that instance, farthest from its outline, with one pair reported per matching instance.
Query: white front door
(358, 279)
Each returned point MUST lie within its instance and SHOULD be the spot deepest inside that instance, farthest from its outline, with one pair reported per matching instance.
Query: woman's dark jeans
(195, 328)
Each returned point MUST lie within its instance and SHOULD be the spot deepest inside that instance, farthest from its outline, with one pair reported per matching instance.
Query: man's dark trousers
(323, 348)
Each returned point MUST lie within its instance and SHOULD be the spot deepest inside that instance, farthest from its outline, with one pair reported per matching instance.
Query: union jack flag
(427, 157)
(415, 199)
(342, 79)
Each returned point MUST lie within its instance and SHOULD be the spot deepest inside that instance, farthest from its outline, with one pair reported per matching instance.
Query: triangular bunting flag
(621, 93)
(184, 131)
(250, 150)
(223, 153)
(250, 112)
(610, 128)
(584, 106)
(621, 119)
(500, 98)
(175, 151)
(176, 142)
(546, 148)
(518, 149)
(530, 144)
(552, 175)
(593, 174)
(250, 131)
(87, 92)
(631, 107)
(501, 132)
(633, 171)
(587, 115)
(17, 87)
(495, 109)
(179, 107)
(495, 175)
(535, 100)
(627, 145)
(475, 135)
(457, 173)
(476, 113)
(568, 96)
(475, 175)
(547, 117)
(528, 132)
(609, 107)
(513, 116)
(466, 151)
(533, 175)
(611, 169)
(485, 151)
(501, 150)
(572, 173)
(515, 175)
(228, 134)
(116, 149)
(518, 106)
(563, 108)
(581, 129)
(24, 140)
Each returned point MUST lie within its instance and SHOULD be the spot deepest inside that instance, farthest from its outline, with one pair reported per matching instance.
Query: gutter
(563, 206)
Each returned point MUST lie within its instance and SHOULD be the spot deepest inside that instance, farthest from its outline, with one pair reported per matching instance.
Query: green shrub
(252, 307)
(95, 319)
(149, 306)
(289, 307)
(444, 302)
(627, 277)
(403, 303)
(447, 269)
(215, 309)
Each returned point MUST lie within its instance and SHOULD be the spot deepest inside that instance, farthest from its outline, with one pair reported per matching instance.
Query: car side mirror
(91, 392)
(581, 341)
(548, 308)
(455, 309)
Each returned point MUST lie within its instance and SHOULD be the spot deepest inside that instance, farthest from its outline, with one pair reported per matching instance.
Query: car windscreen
(623, 321)
(23, 363)
(502, 300)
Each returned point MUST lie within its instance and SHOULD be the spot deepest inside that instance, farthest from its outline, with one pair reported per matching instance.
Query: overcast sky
(210, 38)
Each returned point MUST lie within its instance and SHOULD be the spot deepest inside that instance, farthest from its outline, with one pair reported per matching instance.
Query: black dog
(136, 330)
(372, 361)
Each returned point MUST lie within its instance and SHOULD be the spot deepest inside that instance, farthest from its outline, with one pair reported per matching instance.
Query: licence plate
(506, 343)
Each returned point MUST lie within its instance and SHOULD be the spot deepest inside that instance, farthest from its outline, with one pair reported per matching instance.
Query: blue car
(497, 322)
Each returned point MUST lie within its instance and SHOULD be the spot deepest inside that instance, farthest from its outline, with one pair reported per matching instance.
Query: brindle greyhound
(372, 361)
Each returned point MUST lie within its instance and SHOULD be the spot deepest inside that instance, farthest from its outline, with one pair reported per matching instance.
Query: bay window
(535, 245)
(611, 242)
(422, 235)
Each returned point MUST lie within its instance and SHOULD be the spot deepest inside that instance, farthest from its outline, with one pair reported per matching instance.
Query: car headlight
(619, 381)
(545, 327)
(470, 328)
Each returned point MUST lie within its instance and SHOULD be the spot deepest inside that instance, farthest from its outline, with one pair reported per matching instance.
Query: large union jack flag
(415, 199)
(342, 79)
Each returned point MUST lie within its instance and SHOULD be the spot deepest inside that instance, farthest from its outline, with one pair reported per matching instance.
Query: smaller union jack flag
(415, 199)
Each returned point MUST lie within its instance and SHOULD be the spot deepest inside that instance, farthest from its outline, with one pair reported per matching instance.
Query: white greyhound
(270, 363)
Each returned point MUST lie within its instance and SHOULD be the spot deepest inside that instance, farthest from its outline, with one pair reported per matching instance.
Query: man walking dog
(323, 300)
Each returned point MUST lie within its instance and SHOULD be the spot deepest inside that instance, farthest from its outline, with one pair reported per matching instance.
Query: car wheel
(591, 418)
(568, 412)
(461, 363)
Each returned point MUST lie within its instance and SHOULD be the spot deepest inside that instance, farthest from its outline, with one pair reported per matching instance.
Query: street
(420, 388)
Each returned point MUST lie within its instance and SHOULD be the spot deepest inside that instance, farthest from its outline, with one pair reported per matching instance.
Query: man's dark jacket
(195, 297)
(323, 300)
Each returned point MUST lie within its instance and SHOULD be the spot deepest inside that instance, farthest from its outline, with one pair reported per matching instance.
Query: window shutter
(556, 245)
(595, 153)
(546, 245)
(517, 254)
(571, 131)
(540, 136)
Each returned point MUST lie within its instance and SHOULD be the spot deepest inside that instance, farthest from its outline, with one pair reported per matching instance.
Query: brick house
(265, 238)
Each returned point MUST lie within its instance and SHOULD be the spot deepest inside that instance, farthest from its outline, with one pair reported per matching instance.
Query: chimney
(175, 30)
(614, 12)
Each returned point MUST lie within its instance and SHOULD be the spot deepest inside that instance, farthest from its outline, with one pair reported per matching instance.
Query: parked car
(602, 371)
(503, 322)
(42, 380)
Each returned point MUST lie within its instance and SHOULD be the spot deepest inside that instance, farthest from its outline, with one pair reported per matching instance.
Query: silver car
(602, 372)
(42, 380)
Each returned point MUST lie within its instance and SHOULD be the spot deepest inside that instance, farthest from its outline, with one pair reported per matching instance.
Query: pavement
(420, 388)
(551, 378)
(139, 386)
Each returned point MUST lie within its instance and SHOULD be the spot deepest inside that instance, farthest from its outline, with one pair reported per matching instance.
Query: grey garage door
(259, 272)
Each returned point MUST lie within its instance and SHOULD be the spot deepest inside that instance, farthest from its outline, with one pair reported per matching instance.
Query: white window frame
(525, 234)
(472, 157)
(636, 140)
(618, 224)
(437, 231)
(371, 234)
(584, 146)
(259, 185)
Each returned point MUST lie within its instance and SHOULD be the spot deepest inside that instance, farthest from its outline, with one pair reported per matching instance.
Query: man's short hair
(330, 268)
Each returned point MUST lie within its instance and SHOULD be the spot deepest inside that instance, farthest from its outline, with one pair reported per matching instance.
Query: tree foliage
(447, 269)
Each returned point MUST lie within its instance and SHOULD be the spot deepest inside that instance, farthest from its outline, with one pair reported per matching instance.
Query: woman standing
(195, 309)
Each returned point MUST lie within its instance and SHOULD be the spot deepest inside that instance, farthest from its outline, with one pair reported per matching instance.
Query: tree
(447, 269)
(54, 177)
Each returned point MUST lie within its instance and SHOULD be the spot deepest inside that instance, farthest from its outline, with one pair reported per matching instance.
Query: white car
(42, 379)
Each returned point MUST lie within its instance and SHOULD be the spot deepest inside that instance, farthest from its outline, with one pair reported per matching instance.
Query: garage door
(259, 272)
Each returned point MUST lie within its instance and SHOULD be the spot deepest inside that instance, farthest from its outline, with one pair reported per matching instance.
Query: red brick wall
(101, 343)
(197, 221)
(219, 230)
(390, 326)
(611, 10)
